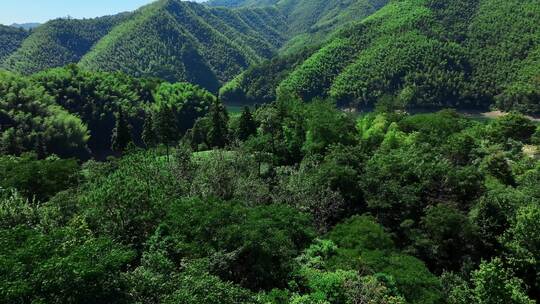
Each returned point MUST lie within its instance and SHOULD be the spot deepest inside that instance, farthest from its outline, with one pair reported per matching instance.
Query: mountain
(59, 42)
(311, 21)
(26, 26)
(426, 53)
(417, 53)
(10, 40)
(177, 40)
(241, 3)
(169, 39)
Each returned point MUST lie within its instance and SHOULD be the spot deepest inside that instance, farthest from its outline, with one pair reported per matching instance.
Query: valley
(271, 152)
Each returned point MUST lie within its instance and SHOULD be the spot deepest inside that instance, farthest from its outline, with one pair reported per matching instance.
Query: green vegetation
(169, 39)
(311, 22)
(123, 189)
(59, 42)
(300, 203)
(10, 40)
(177, 40)
(420, 54)
(296, 203)
(31, 120)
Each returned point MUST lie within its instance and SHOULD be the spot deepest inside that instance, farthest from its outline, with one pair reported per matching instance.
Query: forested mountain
(177, 40)
(169, 39)
(427, 53)
(121, 189)
(59, 42)
(311, 21)
(10, 40)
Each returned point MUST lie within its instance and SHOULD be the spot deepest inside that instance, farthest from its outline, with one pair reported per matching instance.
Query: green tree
(31, 120)
(247, 125)
(449, 238)
(494, 284)
(218, 135)
(237, 235)
(65, 265)
(121, 135)
(326, 125)
(196, 286)
(514, 126)
(536, 137)
(166, 127)
(522, 240)
(38, 179)
(149, 135)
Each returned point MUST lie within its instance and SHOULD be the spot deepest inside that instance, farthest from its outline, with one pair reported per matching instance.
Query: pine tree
(247, 125)
(149, 136)
(166, 126)
(121, 135)
(218, 134)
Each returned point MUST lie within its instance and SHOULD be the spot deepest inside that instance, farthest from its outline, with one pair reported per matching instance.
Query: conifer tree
(166, 126)
(149, 136)
(247, 125)
(218, 134)
(121, 135)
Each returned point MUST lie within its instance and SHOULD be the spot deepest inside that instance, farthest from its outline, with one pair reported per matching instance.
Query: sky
(25, 11)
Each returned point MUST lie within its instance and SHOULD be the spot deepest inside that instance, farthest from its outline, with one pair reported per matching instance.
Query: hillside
(429, 53)
(311, 22)
(10, 39)
(169, 39)
(241, 3)
(177, 40)
(59, 42)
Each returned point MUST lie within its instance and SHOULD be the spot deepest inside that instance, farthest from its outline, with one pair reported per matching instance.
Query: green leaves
(32, 121)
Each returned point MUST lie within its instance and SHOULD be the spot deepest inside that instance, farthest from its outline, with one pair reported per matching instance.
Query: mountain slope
(177, 40)
(10, 40)
(169, 39)
(59, 42)
(242, 3)
(311, 21)
(431, 53)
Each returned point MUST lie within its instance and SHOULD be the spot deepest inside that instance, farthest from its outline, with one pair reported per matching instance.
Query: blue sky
(23, 11)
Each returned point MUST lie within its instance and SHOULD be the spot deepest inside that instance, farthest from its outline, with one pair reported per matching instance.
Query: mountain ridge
(423, 53)
(169, 39)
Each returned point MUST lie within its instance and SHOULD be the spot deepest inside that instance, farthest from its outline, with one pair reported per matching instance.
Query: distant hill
(10, 40)
(425, 53)
(177, 40)
(26, 26)
(311, 21)
(242, 3)
(169, 39)
(418, 53)
(59, 42)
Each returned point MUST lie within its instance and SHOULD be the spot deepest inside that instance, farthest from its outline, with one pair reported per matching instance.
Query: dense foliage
(59, 42)
(30, 120)
(421, 53)
(311, 22)
(74, 112)
(10, 40)
(169, 39)
(297, 203)
(118, 189)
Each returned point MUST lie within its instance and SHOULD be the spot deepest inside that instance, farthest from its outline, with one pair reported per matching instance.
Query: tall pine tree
(247, 125)
(149, 135)
(166, 126)
(121, 134)
(219, 132)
